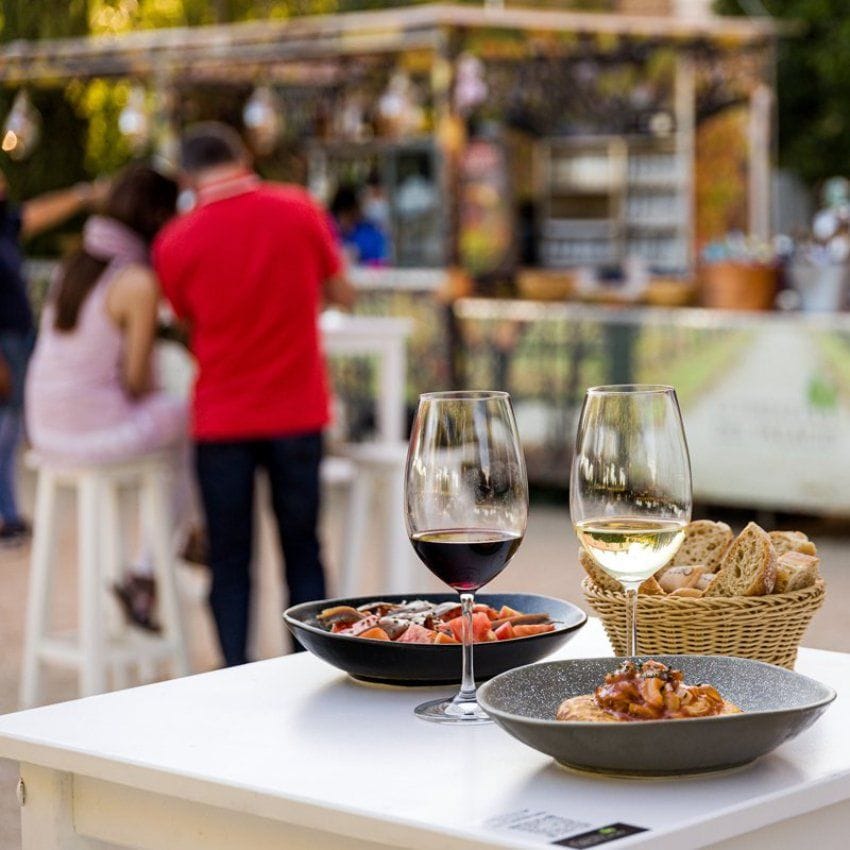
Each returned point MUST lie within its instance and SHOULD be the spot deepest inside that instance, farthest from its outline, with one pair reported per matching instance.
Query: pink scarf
(110, 241)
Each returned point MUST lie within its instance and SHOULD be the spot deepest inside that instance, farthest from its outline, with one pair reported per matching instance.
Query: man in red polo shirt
(248, 270)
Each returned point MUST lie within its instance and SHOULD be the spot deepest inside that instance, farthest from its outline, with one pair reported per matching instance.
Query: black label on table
(602, 835)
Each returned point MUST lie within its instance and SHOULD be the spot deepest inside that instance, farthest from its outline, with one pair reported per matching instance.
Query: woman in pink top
(90, 395)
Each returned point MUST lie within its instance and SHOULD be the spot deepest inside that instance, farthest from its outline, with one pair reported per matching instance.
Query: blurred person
(247, 270)
(361, 237)
(90, 392)
(19, 222)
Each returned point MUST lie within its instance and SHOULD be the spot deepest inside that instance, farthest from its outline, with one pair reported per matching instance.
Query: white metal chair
(102, 643)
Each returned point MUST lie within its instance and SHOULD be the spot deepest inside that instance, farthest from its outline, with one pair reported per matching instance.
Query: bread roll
(705, 543)
(792, 541)
(688, 592)
(602, 580)
(683, 576)
(749, 566)
(705, 580)
(794, 571)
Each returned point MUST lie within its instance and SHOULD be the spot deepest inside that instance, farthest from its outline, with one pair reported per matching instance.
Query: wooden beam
(352, 33)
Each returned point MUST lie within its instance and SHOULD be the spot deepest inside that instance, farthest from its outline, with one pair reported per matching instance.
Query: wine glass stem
(467, 682)
(631, 618)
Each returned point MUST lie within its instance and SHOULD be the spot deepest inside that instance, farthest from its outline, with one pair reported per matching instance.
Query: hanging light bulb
(134, 120)
(470, 85)
(22, 128)
(263, 119)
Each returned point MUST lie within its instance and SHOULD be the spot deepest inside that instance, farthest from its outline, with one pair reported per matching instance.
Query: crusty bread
(651, 588)
(792, 541)
(688, 592)
(602, 580)
(705, 543)
(794, 571)
(749, 566)
(682, 576)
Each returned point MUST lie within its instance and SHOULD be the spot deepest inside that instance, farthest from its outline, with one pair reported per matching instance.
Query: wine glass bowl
(466, 507)
(630, 484)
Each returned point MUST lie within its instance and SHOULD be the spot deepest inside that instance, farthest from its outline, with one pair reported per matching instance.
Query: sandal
(137, 596)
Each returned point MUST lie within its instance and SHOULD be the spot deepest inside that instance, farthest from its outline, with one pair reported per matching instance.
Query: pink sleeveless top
(76, 406)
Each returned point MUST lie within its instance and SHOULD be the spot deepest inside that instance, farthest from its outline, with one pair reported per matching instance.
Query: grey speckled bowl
(777, 704)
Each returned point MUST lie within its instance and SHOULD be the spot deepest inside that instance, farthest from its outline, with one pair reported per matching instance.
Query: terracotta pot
(738, 286)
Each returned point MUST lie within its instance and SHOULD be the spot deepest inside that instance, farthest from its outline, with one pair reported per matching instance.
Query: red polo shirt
(245, 268)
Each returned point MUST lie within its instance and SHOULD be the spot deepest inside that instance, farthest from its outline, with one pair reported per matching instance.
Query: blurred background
(567, 193)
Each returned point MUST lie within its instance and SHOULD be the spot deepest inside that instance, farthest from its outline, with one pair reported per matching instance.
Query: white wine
(631, 549)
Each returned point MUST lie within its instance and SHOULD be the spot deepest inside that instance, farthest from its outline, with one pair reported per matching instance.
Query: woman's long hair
(140, 198)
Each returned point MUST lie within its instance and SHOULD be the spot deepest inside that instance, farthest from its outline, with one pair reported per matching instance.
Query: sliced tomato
(505, 632)
(489, 636)
(375, 634)
(506, 611)
(480, 626)
(526, 631)
(417, 634)
(444, 638)
(481, 608)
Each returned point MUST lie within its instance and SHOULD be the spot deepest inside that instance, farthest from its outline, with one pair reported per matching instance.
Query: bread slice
(749, 566)
(705, 543)
(604, 582)
(792, 541)
(794, 571)
(682, 576)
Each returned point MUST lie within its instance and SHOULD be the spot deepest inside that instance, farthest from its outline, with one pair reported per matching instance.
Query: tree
(813, 85)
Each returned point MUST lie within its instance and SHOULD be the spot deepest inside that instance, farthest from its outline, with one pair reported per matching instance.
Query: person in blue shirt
(16, 325)
(363, 240)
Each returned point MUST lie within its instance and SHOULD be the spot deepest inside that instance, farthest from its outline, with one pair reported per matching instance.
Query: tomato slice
(444, 638)
(417, 634)
(506, 611)
(505, 632)
(480, 627)
(526, 631)
(376, 633)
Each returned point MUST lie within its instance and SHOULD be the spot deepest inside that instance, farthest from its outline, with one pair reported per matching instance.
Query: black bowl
(424, 664)
(777, 704)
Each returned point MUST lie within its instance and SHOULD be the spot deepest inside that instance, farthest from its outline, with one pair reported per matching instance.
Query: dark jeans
(226, 471)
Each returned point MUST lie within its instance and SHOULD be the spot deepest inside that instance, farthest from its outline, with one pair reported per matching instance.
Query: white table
(290, 753)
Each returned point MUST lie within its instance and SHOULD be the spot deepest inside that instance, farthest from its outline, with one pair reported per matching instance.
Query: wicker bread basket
(766, 628)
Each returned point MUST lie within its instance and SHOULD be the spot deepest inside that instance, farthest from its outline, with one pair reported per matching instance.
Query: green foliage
(813, 82)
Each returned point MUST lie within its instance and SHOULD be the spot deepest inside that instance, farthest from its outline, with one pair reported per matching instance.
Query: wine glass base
(449, 711)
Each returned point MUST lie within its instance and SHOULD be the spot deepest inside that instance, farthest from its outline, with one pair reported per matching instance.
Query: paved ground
(546, 563)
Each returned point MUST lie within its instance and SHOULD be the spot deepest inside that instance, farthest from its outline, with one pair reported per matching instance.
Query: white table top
(296, 740)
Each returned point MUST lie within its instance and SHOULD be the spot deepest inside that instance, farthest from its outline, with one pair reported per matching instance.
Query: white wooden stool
(96, 649)
(375, 465)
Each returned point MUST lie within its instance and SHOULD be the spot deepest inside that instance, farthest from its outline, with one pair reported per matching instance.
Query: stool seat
(98, 648)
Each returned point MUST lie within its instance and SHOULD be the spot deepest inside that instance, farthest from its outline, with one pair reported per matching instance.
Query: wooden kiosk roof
(172, 50)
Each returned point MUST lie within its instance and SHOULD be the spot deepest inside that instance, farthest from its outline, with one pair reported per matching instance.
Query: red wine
(465, 558)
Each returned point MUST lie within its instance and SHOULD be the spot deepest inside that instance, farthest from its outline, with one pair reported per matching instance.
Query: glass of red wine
(466, 508)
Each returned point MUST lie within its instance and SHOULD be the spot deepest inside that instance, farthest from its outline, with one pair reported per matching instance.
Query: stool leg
(157, 527)
(110, 554)
(398, 549)
(91, 633)
(359, 500)
(39, 594)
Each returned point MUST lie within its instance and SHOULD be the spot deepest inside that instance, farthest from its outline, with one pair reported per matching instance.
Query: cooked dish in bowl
(645, 691)
(421, 621)
(776, 705)
(406, 663)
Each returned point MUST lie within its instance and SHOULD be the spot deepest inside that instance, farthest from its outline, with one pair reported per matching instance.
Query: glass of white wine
(630, 486)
